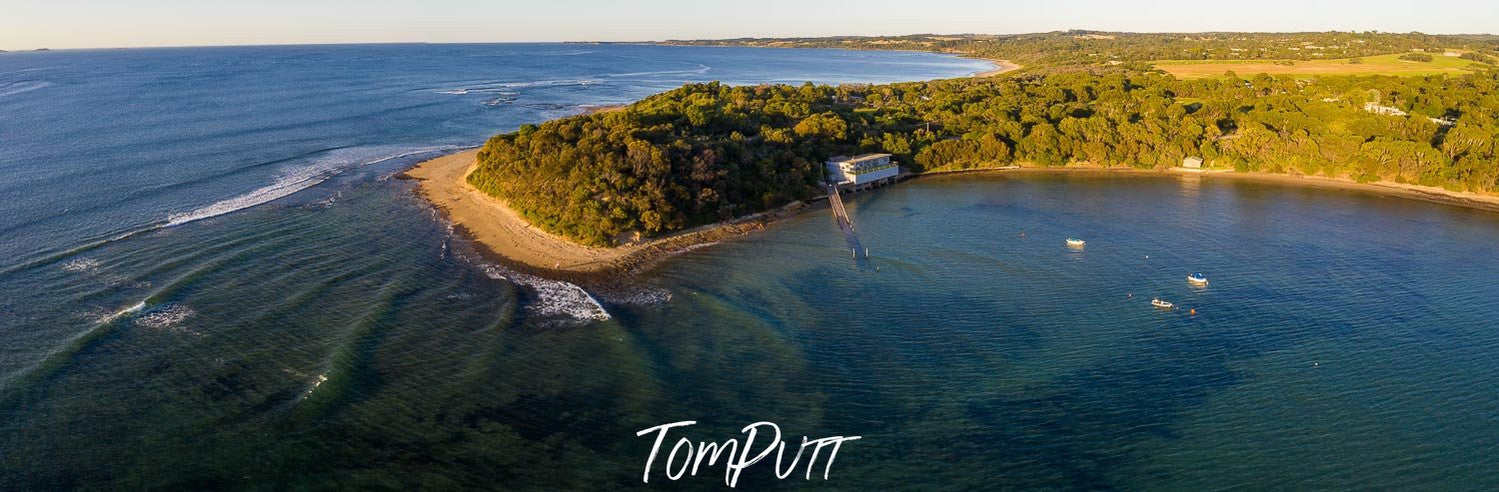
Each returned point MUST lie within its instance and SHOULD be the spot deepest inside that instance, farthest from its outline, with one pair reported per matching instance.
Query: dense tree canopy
(708, 152)
(699, 154)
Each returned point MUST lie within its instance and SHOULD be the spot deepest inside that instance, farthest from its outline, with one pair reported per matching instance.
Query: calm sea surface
(208, 278)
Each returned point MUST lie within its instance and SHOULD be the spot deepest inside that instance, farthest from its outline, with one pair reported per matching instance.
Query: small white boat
(1075, 242)
(1157, 302)
(1197, 279)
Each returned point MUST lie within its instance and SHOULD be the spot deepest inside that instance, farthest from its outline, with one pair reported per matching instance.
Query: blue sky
(27, 24)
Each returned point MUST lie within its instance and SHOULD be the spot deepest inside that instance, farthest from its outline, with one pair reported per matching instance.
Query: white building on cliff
(862, 170)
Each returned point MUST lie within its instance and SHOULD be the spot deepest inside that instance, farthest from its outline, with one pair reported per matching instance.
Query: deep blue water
(208, 278)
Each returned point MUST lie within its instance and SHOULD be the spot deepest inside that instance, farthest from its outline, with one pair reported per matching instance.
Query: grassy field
(1372, 65)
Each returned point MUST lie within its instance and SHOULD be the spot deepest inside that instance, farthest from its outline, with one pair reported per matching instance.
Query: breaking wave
(81, 265)
(507, 88)
(640, 297)
(110, 317)
(59, 256)
(700, 70)
(316, 382)
(13, 88)
(104, 324)
(694, 247)
(555, 299)
(301, 178)
(164, 317)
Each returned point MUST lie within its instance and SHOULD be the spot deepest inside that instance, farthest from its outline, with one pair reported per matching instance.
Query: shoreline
(1429, 194)
(509, 239)
(1000, 67)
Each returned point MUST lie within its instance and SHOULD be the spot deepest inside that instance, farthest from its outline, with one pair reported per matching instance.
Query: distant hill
(1092, 48)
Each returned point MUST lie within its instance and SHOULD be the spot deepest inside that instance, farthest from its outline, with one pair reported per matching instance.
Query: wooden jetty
(846, 224)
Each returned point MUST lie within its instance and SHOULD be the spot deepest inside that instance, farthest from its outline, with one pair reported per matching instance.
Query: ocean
(210, 277)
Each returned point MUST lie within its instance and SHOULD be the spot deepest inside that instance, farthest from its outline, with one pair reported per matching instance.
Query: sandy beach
(504, 233)
(1387, 188)
(1431, 194)
(1001, 67)
(491, 223)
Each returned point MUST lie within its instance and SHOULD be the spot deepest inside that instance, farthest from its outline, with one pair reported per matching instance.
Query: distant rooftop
(859, 158)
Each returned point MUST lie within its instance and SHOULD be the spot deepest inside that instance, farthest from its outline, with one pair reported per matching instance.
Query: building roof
(858, 159)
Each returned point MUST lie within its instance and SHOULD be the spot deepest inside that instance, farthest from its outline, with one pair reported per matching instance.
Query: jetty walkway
(840, 215)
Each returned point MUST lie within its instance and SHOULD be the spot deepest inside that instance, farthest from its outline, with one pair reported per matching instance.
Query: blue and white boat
(1197, 279)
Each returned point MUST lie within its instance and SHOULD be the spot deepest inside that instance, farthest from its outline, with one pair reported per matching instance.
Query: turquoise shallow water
(330, 329)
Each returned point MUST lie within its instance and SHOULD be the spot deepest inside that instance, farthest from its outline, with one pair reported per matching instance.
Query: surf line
(736, 460)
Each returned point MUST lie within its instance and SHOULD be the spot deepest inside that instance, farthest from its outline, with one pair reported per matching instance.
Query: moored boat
(1075, 242)
(1157, 302)
(1197, 279)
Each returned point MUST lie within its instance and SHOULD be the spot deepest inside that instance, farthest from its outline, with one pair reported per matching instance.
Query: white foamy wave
(108, 317)
(507, 88)
(81, 265)
(554, 298)
(499, 91)
(300, 178)
(644, 297)
(694, 247)
(700, 70)
(93, 268)
(503, 99)
(321, 378)
(328, 202)
(13, 88)
(447, 239)
(165, 317)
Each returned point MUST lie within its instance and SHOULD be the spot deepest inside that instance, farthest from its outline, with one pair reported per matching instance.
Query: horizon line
(369, 43)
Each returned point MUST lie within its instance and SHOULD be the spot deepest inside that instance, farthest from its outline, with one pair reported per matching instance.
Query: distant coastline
(506, 234)
(1000, 67)
(503, 233)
